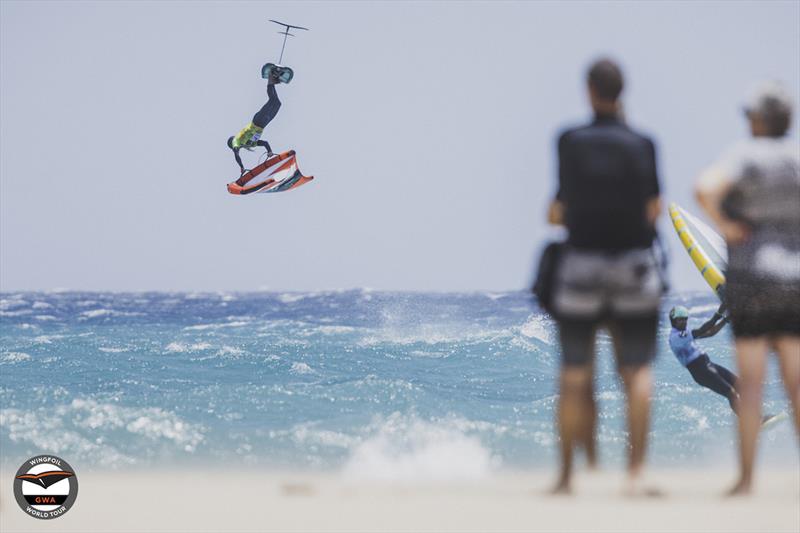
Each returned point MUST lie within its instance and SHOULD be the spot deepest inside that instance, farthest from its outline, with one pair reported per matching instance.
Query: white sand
(209, 500)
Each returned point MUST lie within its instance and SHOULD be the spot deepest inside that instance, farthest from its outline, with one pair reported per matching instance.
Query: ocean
(366, 383)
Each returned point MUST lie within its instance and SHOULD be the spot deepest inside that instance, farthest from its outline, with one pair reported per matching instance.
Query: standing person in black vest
(607, 274)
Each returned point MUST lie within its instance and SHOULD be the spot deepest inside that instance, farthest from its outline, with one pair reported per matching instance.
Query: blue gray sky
(429, 126)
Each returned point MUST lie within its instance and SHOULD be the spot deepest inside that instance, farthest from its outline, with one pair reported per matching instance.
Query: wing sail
(709, 239)
(278, 173)
(706, 249)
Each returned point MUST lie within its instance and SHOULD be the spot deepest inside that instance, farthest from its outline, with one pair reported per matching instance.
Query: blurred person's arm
(653, 208)
(711, 188)
(555, 214)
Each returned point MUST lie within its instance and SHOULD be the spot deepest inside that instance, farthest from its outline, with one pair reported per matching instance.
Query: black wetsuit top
(607, 174)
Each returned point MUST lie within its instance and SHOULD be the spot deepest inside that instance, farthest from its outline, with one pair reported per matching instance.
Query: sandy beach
(262, 501)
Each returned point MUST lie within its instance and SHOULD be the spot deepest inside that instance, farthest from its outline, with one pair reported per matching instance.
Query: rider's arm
(713, 325)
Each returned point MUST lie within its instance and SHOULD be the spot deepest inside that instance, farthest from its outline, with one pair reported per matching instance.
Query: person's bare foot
(741, 488)
(591, 462)
(561, 488)
(635, 487)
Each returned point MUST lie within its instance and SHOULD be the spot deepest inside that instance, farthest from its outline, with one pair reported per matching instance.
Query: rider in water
(250, 136)
(710, 375)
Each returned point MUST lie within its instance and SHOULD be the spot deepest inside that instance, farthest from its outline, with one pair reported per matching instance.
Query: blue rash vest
(682, 344)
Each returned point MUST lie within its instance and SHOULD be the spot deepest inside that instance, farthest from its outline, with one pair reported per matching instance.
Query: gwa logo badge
(45, 487)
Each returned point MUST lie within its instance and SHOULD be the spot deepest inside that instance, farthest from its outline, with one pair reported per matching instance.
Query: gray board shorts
(617, 290)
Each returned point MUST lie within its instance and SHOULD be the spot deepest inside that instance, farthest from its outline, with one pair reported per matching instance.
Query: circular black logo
(45, 486)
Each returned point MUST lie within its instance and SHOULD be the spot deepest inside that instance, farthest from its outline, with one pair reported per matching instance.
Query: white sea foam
(465, 425)
(217, 325)
(408, 449)
(545, 439)
(48, 339)
(700, 420)
(41, 305)
(290, 297)
(10, 303)
(495, 295)
(14, 357)
(309, 434)
(159, 424)
(538, 327)
(49, 429)
(152, 422)
(231, 416)
(230, 351)
(280, 324)
(301, 368)
(326, 330)
(609, 395)
(97, 313)
(433, 335)
(45, 318)
(333, 330)
(433, 354)
(239, 318)
(109, 349)
(180, 347)
(21, 312)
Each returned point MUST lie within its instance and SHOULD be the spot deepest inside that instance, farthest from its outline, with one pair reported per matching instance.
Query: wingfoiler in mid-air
(279, 172)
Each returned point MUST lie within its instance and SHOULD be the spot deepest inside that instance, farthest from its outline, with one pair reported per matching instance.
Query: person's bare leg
(573, 386)
(589, 437)
(638, 384)
(788, 348)
(751, 357)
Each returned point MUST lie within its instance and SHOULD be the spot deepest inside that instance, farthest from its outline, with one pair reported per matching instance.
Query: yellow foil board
(710, 271)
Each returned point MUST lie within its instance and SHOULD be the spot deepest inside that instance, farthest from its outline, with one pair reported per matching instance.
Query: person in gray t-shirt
(753, 195)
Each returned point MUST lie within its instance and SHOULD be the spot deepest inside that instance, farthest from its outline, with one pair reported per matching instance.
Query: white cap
(769, 99)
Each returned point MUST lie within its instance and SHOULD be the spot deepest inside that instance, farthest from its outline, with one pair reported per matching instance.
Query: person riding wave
(705, 373)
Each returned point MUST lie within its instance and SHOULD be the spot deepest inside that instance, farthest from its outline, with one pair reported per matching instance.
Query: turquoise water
(367, 382)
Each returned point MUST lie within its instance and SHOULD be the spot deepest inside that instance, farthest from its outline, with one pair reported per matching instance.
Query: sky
(429, 126)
